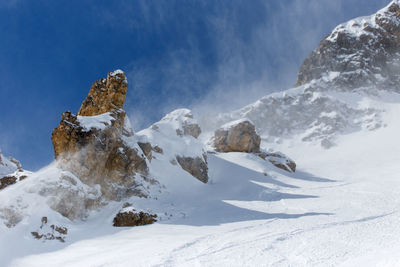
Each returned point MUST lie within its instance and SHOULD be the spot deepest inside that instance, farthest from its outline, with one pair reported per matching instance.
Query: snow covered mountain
(218, 188)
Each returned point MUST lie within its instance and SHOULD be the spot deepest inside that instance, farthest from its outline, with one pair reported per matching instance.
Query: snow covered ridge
(365, 51)
(310, 116)
(8, 165)
(342, 87)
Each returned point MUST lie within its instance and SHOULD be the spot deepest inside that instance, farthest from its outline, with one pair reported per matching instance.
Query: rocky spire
(97, 145)
(105, 95)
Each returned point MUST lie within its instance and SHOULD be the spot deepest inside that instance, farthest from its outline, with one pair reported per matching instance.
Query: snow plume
(224, 55)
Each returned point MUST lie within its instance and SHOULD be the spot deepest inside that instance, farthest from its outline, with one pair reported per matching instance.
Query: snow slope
(340, 208)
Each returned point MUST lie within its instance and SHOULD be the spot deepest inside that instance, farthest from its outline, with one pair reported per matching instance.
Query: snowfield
(341, 208)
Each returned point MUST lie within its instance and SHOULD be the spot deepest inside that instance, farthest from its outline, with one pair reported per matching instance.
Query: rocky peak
(105, 95)
(98, 145)
(361, 52)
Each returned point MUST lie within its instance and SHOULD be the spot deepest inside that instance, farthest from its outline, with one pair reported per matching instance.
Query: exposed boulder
(279, 160)
(7, 180)
(196, 166)
(11, 179)
(97, 145)
(130, 217)
(237, 136)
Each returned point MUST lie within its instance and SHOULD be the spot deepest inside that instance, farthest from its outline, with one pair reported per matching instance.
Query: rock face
(238, 136)
(279, 160)
(197, 166)
(94, 145)
(105, 95)
(10, 180)
(364, 51)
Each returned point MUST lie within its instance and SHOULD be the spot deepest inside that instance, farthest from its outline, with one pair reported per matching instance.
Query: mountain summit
(361, 52)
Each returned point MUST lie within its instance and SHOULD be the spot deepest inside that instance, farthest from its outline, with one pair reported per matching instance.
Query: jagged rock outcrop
(97, 145)
(196, 166)
(279, 160)
(129, 217)
(237, 136)
(105, 95)
(361, 52)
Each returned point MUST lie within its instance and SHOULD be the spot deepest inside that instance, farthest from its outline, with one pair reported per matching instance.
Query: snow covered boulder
(279, 160)
(237, 136)
(99, 146)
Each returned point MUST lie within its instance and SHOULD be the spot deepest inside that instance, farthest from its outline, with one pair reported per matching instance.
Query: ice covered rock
(98, 147)
(237, 136)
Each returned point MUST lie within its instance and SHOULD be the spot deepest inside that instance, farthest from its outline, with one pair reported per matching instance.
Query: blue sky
(204, 55)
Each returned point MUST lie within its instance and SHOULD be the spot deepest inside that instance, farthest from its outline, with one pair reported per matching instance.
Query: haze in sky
(196, 54)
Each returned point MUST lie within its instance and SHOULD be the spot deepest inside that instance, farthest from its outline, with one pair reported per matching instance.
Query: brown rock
(7, 180)
(191, 129)
(197, 166)
(148, 149)
(279, 160)
(105, 95)
(99, 155)
(241, 137)
(130, 218)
